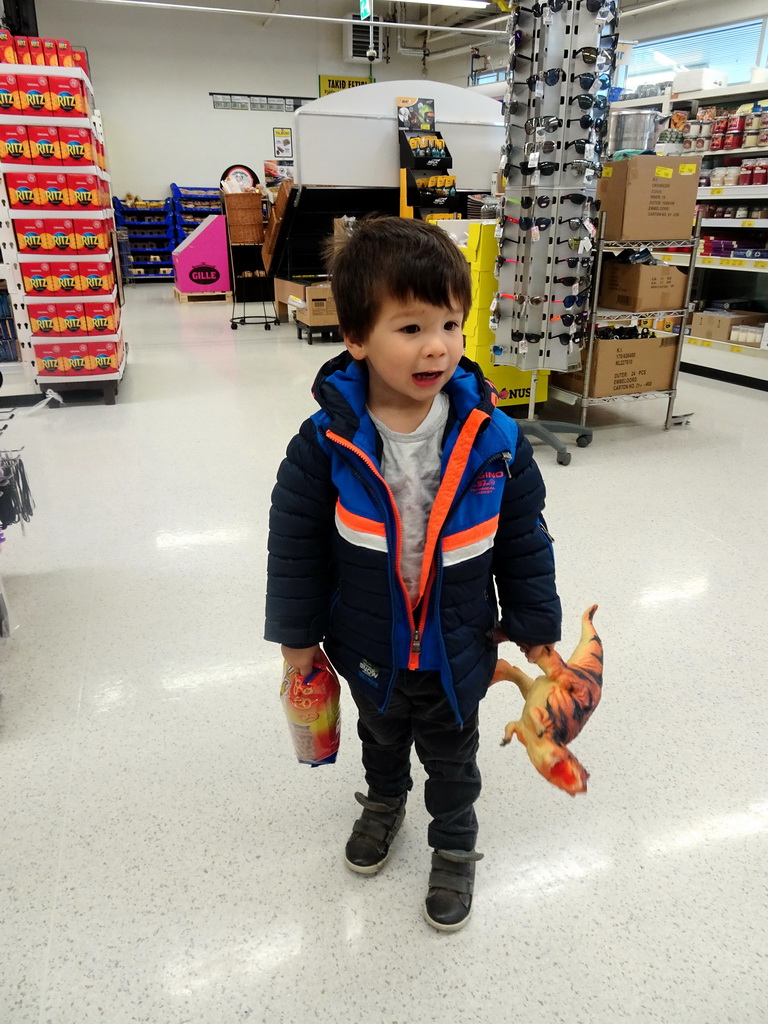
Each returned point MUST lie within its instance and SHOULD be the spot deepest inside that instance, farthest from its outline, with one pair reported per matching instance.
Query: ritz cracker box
(49, 358)
(59, 236)
(22, 50)
(38, 279)
(42, 319)
(22, 191)
(102, 317)
(83, 192)
(30, 235)
(92, 236)
(14, 144)
(35, 95)
(7, 48)
(75, 146)
(65, 278)
(96, 277)
(52, 190)
(71, 319)
(44, 145)
(10, 100)
(68, 97)
(105, 356)
(76, 358)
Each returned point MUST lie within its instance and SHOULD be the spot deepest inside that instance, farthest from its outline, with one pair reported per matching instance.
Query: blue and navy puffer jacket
(335, 533)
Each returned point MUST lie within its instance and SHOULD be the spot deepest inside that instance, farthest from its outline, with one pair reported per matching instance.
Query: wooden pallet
(202, 296)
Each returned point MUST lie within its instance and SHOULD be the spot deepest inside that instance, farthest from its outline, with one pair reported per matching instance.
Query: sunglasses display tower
(555, 114)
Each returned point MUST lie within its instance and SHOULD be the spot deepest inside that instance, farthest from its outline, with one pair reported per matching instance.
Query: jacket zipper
(415, 633)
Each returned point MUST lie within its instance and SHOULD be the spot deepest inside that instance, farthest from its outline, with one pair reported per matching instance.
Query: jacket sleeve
(301, 525)
(523, 560)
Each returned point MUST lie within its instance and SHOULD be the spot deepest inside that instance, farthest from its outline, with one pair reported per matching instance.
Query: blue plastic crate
(193, 192)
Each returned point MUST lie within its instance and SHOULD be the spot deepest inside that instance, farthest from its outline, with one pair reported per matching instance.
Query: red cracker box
(30, 234)
(44, 145)
(35, 95)
(75, 146)
(51, 52)
(36, 54)
(14, 144)
(67, 97)
(102, 317)
(10, 100)
(52, 190)
(83, 192)
(37, 279)
(92, 236)
(70, 318)
(7, 48)
(64, 51)
(60, 236)
(105, 356)
(77, 358)
(80, 59)
(96, 278)
(22, 191)
(42, 319)
(22, 50)
(49, 357)
(65, 278)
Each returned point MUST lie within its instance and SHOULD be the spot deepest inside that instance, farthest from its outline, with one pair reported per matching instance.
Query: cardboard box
(70, 318)
(14, 144)
(105, 356)
(639, 288)
(66, 278)
(36, 55)
(42, 319)
(321, 309)
(716, 325)
(59, 236)
(30, 235)
(38, 279)
(44, 145)
(75, 146)
(52, 191)
(35, 95)
(698, 80)
(484, 287)
(22, 191)
(623, 367)
(649, 197)
(7, 48)
(49, 358)
(84, 192)
(22, 50)
(482, 247)
(67, 97)
(96, 278)
(80, 59)
(91, 236)
(51, 53)
(10, 100)
(102, 317)
(76, 359)
(64, 53)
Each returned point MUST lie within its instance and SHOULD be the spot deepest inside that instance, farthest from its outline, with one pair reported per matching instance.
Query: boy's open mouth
(427, 378)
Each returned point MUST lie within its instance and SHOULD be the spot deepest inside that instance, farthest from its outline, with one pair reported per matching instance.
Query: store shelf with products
(191, 205)
(680, 101)
(151, 237)
(742, 192)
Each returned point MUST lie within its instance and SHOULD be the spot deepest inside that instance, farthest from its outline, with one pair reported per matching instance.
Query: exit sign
(365, 8)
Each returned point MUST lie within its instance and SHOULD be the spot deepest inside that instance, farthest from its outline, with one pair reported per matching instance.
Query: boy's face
(411, 352)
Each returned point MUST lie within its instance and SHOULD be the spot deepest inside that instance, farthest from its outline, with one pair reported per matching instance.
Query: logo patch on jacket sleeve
(369, 670)
(486, 482)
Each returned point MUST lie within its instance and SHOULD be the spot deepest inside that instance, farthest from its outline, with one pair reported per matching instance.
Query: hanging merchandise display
(555, 114)
(427, 189)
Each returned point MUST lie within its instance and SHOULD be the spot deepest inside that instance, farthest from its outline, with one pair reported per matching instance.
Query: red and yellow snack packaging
(64, 52)
(52, 191)
(96, 278)
(50, 358)
(15, 145)
(38, 279)
(312, 709)
(36, 54)
(10, 98)
(44, 145)
(91, 236)
(7, 48)
(30, 234)
(22, 191)
(23, 55)
(67, 98)
(42, 319)
(70, 319)
(66, 279)
(50, 53)
(35, 95)
(75, 146)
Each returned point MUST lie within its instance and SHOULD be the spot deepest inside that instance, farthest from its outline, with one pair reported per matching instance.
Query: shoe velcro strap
(448, 880)
(367, 826)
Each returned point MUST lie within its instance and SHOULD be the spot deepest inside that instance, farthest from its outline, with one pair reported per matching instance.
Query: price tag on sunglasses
(495, 303)
(522, 346)
(535, 179)
(535, 233)
(585, 245)
(498, 231)
(591, 229)
(589, 151)
(575, 289)
(538, 90)
(533, 159)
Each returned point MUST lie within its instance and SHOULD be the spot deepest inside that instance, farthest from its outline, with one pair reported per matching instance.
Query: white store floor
(165, 860)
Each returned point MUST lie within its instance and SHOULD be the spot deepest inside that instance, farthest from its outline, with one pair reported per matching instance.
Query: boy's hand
(533, 654)
(301, 658)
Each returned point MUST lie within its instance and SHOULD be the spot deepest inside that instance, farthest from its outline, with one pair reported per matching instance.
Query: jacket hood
(341, 390)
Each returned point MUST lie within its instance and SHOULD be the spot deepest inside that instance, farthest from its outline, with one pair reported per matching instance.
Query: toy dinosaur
(557, 706)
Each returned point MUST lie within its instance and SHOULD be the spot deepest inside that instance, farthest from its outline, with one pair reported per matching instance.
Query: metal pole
(684, 321)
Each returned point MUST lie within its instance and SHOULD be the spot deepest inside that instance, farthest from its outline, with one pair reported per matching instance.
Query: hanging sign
(282, 141)
(336, 83)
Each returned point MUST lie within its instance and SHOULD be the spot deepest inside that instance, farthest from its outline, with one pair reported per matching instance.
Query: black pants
(419, 713)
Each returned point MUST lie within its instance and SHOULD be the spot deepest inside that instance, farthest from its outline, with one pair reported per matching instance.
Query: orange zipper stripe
(360, 524)
(470, 536)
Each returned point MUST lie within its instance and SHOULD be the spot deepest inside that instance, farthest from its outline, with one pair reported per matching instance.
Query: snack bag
(311, 706)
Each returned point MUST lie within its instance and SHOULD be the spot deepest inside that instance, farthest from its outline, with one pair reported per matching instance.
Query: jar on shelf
(746, 172)
(751, 138)
(742, 212)
(729, 212)
(720, 126)
(760, 172)
(734, 140)
(731, 176)
(717, 141)
(717, 177)
(701, 144)
(737, 122)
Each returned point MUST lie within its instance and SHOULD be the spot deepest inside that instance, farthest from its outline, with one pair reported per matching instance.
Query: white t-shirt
(410, 464)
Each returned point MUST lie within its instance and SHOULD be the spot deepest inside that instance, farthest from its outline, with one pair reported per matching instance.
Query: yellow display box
(484, 287)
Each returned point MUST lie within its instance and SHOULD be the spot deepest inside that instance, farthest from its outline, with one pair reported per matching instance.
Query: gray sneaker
(369, 846)
(451, 883)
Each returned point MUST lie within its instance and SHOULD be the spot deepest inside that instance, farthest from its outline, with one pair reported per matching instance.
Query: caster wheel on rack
(583, 440)
(276, 323)
(243, 320)
(563, 458)
(267, 327)
(233, 325)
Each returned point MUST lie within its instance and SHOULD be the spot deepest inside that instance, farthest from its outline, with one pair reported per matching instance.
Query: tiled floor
(165, 860)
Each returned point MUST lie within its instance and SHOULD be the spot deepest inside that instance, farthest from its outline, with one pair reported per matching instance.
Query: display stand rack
(151, 239)
(191, 205)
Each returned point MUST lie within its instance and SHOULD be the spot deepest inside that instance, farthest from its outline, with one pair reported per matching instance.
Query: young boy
(396, 508)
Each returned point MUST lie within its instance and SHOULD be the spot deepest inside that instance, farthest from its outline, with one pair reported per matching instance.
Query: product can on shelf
(717, 141)
(737, 122)
(734, 139)
(760, 173)
(746, 172)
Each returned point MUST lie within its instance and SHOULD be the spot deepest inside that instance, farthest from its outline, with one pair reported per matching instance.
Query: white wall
(153, 70)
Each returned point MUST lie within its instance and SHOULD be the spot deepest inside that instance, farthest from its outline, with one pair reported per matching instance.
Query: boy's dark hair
(392, 257)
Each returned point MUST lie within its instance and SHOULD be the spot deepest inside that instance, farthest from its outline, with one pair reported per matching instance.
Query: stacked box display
(151, 237)
(191, 205)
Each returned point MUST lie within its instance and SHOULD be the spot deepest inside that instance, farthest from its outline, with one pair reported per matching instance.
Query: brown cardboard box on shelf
(321, 308)
(649, 197)
(716, 325)
(639, 287)
(624, 367)
(245, 218)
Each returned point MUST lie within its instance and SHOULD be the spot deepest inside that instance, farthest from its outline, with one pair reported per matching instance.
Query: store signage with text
(333, 83)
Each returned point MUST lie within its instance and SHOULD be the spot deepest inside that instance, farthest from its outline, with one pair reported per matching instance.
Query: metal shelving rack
(598, 315)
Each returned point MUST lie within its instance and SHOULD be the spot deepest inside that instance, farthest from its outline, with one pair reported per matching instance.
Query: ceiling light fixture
(301, 17)
(475, 5)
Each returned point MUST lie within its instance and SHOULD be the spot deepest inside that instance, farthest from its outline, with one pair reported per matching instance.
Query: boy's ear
(355, 348)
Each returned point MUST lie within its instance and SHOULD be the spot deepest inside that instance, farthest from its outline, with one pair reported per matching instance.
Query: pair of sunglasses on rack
(585, 166)
(573, 300)
(581, 145)
(567, 338)
(598, 7)
(577, 244)
(528, 223)
(571, 281)
(587, 102)
(548, 123)
(540, 9)
(527, 202)
(552, 76)
(546, 167)
(576, 261)
(586, 121)
(574, 223)
(594, 57)
(569, 319)
(587, 79)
